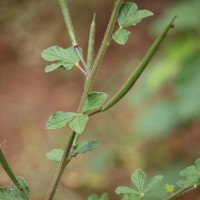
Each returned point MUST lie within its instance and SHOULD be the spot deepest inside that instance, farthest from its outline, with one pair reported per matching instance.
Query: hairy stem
(68, 21)
(182, 191)
(73, 136)
(10, 173)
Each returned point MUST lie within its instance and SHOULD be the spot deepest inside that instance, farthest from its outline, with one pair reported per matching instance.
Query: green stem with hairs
(10, 173)
(68, 21)
(74, 136)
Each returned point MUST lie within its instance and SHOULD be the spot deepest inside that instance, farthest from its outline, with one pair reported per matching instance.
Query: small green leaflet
(95, 197)
(65, 58)
(94, 101)
(86, 146)
(138, 179)
(55, 155)
(121, 36)
(153, 184)
(54, 66)
(169, 188)
(129, 15)
(78, 123)
(192, 175)
(13, 193)
(59, 120)
(126, 190)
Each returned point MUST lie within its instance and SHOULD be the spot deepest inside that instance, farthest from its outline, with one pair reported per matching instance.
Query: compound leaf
(59, 120)
(78, 123)
(121, 36)
(55, 155)
(94, 101)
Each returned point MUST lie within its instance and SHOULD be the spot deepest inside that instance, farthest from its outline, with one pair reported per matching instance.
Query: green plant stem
(182, 191)
(91, 43)
(73, 136)
(10, 173)
(82, 70)
(135, 76)
(68, 21)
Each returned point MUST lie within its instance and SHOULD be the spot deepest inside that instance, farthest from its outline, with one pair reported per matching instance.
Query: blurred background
(156, 127)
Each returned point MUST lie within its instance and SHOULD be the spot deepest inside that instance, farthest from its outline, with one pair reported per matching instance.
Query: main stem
(74, 136)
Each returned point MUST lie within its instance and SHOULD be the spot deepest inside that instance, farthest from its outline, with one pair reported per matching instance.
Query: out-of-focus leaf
(55, 155)
(138, 179)
(153, 184)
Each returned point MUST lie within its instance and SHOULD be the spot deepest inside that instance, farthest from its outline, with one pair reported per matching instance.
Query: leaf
(153, 184)
(187, 183)
(126, 190)
(66, 58)
(169, 188)
(138, 179)
(189, 172)
(54, 66)
(55, 155)
(94, 101)
(59, 120)
(13, 193)
(121, 36)
(78, 123)
(129, 15)
(85, 146)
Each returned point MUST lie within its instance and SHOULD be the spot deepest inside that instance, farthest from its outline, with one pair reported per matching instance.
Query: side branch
(135, 76)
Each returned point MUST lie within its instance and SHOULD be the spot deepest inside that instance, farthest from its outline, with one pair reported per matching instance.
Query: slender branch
(68, 21)
(73, 136)
(135, 76)
(91, 43)
(10, 173)
(83, 61)
(182, 191)
(81, 69)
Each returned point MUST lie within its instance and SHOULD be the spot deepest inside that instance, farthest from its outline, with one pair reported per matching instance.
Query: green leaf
(121, 36)
(13, 193)
(66, 58)
(85, 146)
(94, 101)
(169, 188)
(126, 190)
(154, 183)
(189, 172)
(129, 15)
(54, 66)
(59, 120)
(55, 155)
(187, 183)
(138, 179)
(78, 123)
